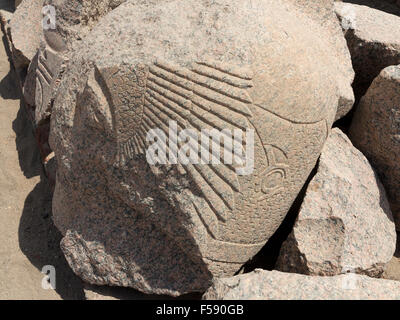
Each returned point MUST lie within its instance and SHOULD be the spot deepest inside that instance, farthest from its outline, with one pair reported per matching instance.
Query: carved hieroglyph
(72, 20)
(204, 65)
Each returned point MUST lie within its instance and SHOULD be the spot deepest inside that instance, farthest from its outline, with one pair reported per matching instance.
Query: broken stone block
(373, 37)
(274, 285)
(375, 130)
(345, 222)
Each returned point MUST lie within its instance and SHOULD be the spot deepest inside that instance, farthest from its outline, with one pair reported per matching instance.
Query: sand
(28, 239)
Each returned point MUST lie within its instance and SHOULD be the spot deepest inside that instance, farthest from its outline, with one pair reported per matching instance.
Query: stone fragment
(373, 37)
(73, 20)
(345, 222)
(169, 229)
(375, 130)
(26, 30)
(274, 285)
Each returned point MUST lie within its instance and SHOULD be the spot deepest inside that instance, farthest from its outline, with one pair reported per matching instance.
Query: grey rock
(345, 222)
(373, 38)
(375, 130)
(274, 285)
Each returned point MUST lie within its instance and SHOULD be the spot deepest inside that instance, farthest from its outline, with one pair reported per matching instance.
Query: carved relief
(207, 95)
(49, 63)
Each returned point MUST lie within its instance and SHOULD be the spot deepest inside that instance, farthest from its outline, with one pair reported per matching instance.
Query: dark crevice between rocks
(397, 252)
(267, 257)
(388, 6)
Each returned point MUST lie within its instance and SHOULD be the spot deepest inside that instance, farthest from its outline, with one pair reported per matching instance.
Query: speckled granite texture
(373, 37)
(345, 222)
(375, 130)
(205, 64)
(26, 30)
(274, 285)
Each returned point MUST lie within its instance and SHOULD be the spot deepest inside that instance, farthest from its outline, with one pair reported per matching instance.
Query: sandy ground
(28, 239)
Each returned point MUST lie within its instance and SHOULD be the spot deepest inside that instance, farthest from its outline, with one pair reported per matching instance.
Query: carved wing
(206, 96)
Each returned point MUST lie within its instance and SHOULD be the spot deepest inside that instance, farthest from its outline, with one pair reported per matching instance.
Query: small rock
(375, 130)
(274, 285)
(345, 222)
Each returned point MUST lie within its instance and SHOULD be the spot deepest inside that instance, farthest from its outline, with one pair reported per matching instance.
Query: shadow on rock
(28, 153)
(94, 292)
(7, 5)
(386, 6)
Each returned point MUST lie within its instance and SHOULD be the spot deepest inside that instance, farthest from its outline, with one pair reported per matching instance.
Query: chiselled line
(208, 93)
(286, 119)
(181, 102)
(220, 112)
(173, 109)
(242, 73)
(169, 76)
(220, 87)
(217, 184)
(43, 64)
(178, 108)
(208, 219)
(214, 202)
(221, 76)
(170, 86)
(173, 115)
(43, 75)
(157, 122)
(137, 144)
(162, 120)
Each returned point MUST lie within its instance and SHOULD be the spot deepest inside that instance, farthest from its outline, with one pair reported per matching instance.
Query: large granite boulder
(345, 222)
(274, 285)
(266, 67)
(373, 38)
(375, 130)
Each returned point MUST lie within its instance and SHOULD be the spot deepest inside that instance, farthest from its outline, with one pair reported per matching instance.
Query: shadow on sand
(38, 237)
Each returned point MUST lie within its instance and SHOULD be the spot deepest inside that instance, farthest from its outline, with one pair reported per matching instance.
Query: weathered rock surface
(345, 75)
(345, 222)
(26, 30)
(375, 130)
(373, 37)
(74, 19)
(274, 285)
(169, 229)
